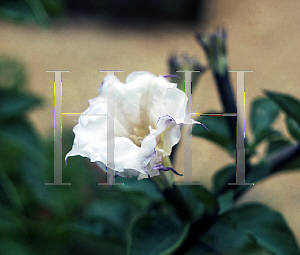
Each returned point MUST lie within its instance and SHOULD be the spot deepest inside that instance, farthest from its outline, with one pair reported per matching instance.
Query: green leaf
(94, 228)
(118, 207)
(110, 216)
(15, 247)
(206, 198)
(251, 225)
(22, 147)
(55, 8)
(277, 142)
(28, 10)
(12, 74)
(105, 219)
(228, 173)
(290, 105)
(263, 113)
(218, 131)
(222, 177)
(89, 245)
(10, 222)
(293, 127)
(23, 159)
(145, 186)
(226, 201)
(157, 233)
(197, 201)
(251, 249)
(14, 104)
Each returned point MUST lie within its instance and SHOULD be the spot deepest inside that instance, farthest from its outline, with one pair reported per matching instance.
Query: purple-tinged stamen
(170, 75)
(161, 167)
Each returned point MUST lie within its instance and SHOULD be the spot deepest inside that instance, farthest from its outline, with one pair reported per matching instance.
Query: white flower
(147, 116)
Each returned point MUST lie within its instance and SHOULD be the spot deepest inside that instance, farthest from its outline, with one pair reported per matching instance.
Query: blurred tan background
(263, 36)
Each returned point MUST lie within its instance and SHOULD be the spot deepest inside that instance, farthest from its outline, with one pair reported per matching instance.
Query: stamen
(161, 167)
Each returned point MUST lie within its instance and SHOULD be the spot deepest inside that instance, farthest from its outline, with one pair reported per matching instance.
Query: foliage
(136, 217)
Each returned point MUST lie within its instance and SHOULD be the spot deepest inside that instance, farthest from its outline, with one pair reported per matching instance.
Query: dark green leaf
(218, 131)
(118, 207)
(23, 145)
(222, 177)
(145, 186)
(12, 74)
(226, 201)
(206, 198)
(252, 248)
(293, 127)
(277, 142)
(14, 104)
(290, 105)
(228, 174)
(28, 10)
(291, 165)
(10, 222)
(85, 244)
(286, 157)
(157, 233)
(96, 228)
(15, 247)
(251, 225)
(55, 8)
(263, 113)
(196, 200)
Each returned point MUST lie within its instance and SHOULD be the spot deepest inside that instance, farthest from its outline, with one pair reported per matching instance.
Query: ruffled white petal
(147, 117)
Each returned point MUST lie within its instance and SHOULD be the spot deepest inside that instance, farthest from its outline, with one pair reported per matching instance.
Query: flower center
(137, 140)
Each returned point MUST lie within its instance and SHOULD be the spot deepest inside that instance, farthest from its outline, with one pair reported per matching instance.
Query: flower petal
(147, 117)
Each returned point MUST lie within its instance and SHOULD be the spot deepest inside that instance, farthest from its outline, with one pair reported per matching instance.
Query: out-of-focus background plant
(137, 218)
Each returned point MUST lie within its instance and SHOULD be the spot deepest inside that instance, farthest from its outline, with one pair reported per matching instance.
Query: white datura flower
(148, 112)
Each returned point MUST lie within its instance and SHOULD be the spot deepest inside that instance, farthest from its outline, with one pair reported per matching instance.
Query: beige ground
(262, 36)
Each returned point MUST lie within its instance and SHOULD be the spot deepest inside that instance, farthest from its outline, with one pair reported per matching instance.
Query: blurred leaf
(222, 177)
(263, 113)
(197, 201)
(218, 131)
(95, 228)
(14, 247)
(39, 11)
(277, 142)
(252, 248)
(202, 248)
(275, 154)
(28, 10)
(110, 216)
(290, 105)
(251, 225)
(157, 233)
(23, 157)
(11, 74)
(20, 134)
(87, 245)
(55, 8)
(14, 104)
(145, 185)
(10, 222)
(118, 207)
(206, 198)
(228, 173)
(226, 201)
(293, 127)
(9, 195)
(9, 154)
